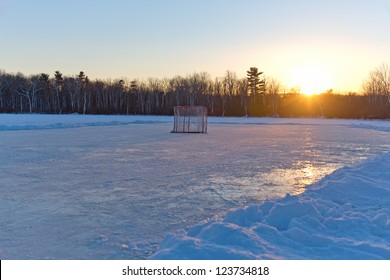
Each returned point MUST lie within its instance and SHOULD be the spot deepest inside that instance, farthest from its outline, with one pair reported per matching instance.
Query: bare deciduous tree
(377, 85)
(273, 87)
(29, 90)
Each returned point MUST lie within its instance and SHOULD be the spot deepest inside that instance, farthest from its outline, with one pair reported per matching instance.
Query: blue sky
(292, 41)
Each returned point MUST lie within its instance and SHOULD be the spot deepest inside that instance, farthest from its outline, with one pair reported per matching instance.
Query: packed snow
(123, 187)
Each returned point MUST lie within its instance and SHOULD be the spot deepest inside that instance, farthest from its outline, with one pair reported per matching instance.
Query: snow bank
(344, 216)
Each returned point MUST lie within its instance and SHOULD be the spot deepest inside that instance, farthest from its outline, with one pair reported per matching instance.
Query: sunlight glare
(312, 79)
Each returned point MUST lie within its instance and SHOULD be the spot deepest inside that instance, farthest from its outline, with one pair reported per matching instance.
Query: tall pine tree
(256, 85)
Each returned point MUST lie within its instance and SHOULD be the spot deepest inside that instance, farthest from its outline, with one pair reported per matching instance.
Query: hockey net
(190, 119)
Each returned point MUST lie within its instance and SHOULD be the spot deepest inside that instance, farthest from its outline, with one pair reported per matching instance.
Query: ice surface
(111, 187)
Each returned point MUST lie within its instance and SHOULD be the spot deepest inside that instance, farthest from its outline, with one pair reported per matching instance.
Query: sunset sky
(314, 45)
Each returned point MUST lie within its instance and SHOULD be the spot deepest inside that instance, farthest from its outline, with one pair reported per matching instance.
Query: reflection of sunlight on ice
(275, 183)
(296, 179)
(304, 174)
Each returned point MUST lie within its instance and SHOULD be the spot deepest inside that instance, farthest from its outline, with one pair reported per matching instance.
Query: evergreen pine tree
(256, 86)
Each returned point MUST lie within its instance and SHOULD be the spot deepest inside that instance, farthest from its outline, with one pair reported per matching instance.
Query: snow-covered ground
(112, 187)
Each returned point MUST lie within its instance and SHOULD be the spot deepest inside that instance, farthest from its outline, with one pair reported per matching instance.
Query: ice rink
(111, 187)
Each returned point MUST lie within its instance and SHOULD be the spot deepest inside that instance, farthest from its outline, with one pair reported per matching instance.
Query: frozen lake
(111, 187)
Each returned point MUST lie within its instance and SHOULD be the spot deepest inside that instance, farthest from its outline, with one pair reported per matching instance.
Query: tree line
(229, 95)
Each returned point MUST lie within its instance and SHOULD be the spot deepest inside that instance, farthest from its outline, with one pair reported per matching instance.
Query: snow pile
(344, 216)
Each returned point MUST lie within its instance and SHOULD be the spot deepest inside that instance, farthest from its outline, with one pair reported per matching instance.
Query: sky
(313, 45)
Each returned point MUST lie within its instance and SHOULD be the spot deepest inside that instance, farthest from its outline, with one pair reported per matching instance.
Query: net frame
(190, 119)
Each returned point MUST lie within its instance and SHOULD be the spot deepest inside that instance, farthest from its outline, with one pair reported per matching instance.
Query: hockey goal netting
(190, 119)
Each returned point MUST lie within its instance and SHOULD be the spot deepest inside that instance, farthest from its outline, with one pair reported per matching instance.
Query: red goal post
(190, 119)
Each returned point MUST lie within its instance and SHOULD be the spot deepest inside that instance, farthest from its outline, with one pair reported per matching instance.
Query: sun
(312, 79)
